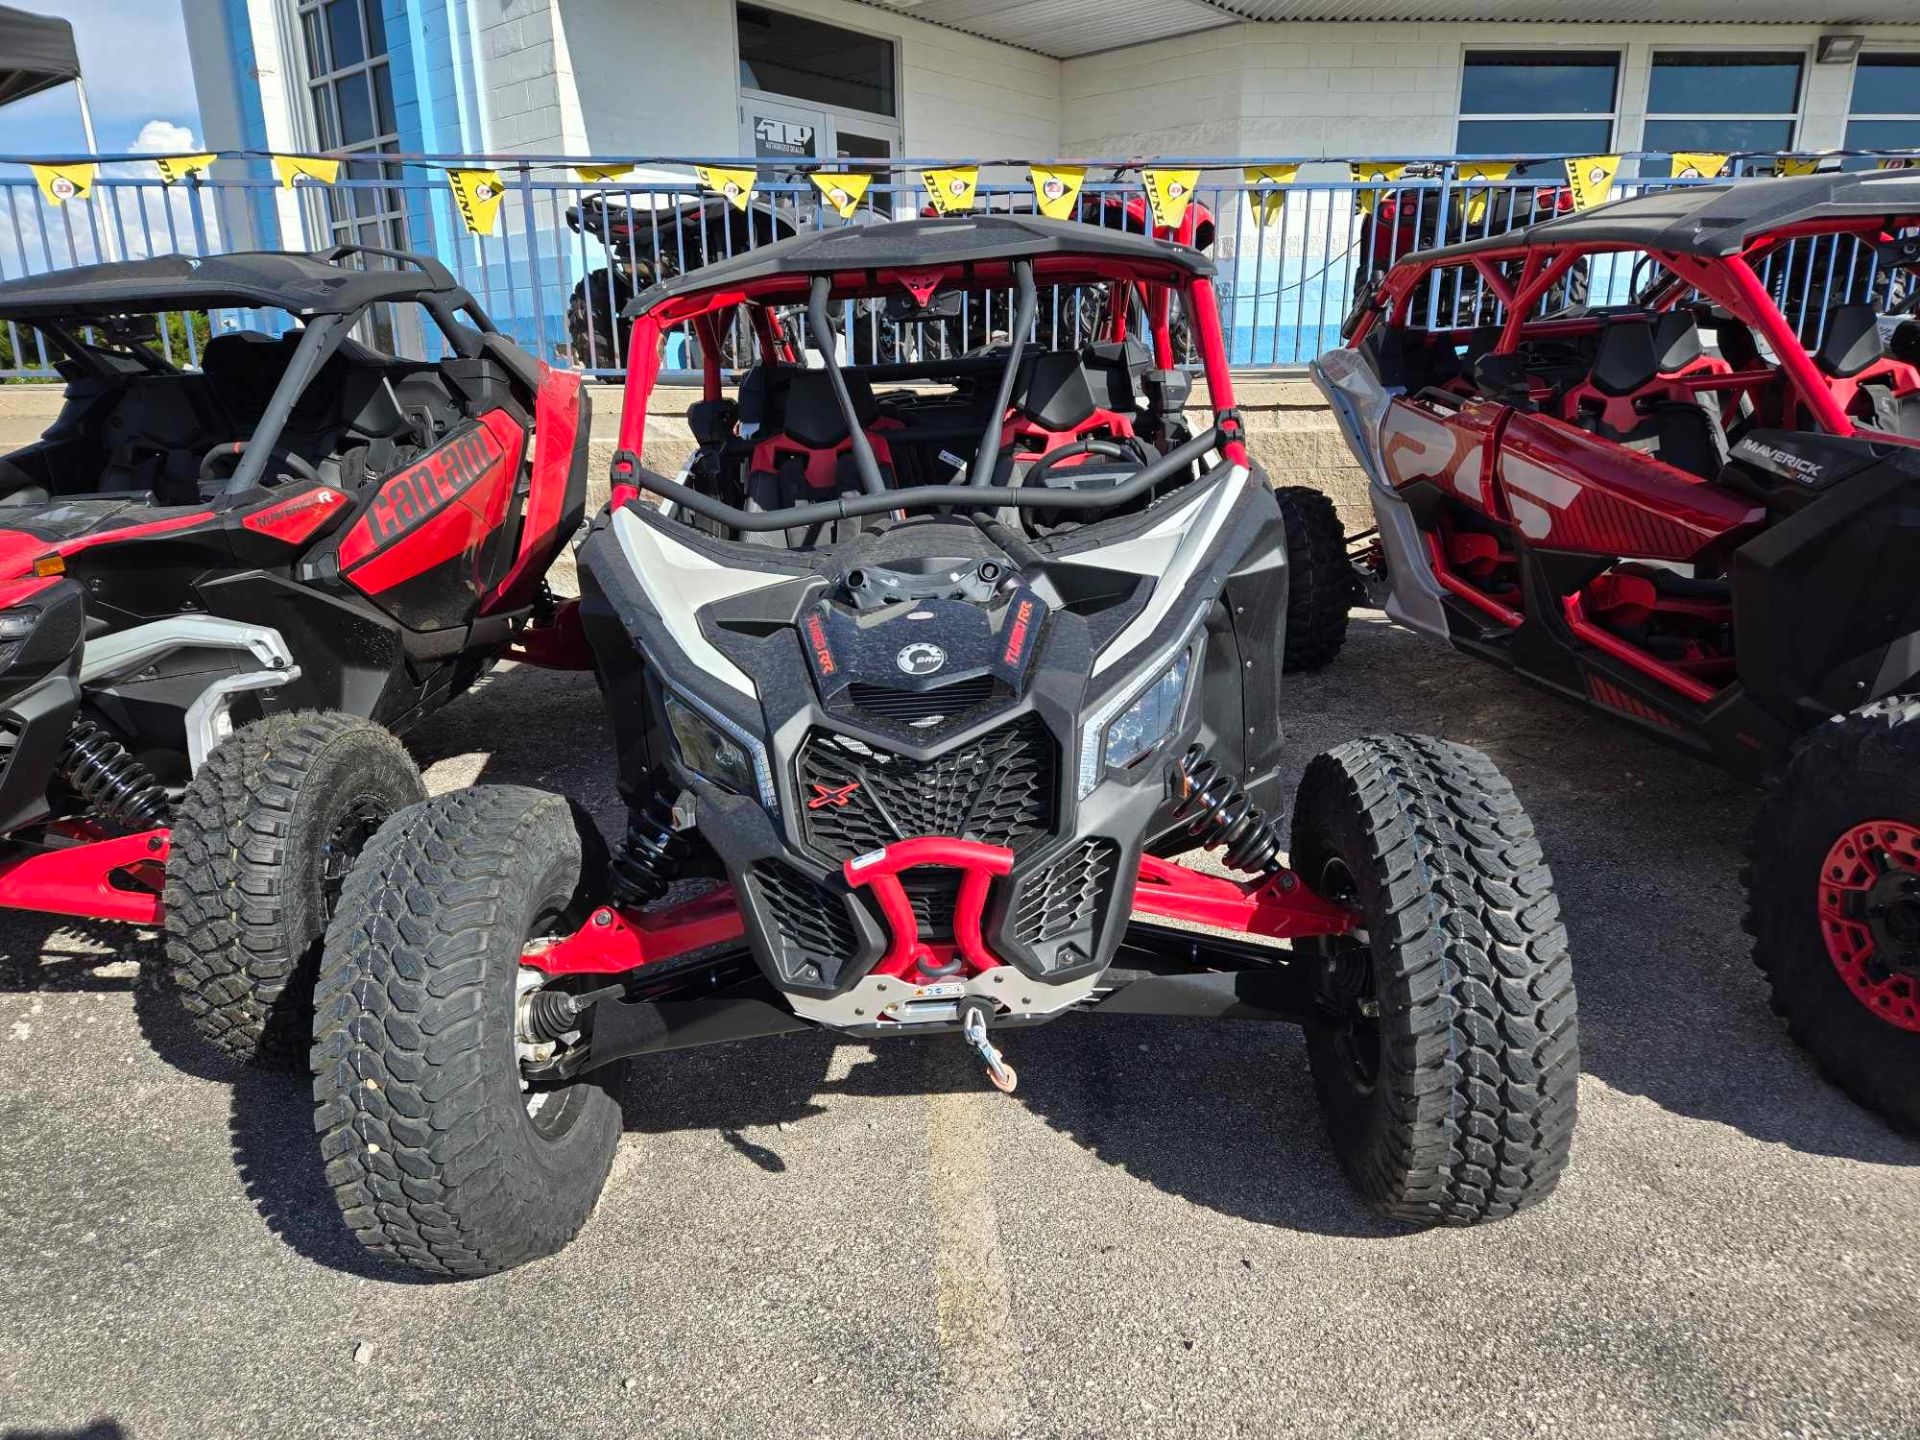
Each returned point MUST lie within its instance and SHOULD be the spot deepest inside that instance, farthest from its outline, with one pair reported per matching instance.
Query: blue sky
(133, 54)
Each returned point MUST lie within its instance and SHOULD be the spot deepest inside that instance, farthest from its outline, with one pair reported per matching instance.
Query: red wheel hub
(1870, 917)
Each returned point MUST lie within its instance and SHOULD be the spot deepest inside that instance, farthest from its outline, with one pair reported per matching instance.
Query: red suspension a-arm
(1278, 906)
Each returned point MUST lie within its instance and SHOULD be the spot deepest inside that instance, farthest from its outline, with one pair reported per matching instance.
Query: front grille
(998, 790)
(932, 893)
(811, 934)
(926, 709)
(1068, 895)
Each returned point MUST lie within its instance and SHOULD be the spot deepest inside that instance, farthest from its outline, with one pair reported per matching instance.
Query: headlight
(1118, 740)
(18, 623)
(716, 749)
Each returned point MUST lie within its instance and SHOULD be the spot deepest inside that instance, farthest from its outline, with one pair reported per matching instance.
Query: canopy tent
(36, 53)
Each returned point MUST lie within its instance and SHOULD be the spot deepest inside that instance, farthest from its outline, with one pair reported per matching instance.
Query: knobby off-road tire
(1856, 769)
(1320, 582)
(424, 1129)
(1454, 1102)
(262, 842)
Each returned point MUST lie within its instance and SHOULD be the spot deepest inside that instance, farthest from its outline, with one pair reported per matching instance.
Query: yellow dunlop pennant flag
(599, 174)
(1900, 162)
(1796, 164)
(951, 190)
(1369, 170)
(1169, 192)
(61, 183)
(1267, 184)
(1478, 194)
(1697, 164)
(478, 194)
(290, 168)
(842, 191)
(736, 185)
(178, 167)
(1590, 177)
(1056, 188)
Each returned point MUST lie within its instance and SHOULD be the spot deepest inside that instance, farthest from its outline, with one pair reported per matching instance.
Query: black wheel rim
(1346, 982)
(346, 838)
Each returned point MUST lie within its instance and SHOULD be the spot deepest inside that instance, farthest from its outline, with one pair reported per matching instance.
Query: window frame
(1611, 117)
(1907, 52)
(1795, 118)
(384, 221)
(895, 46)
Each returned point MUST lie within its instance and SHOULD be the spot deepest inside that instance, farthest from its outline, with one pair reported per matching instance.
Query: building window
(802, 59)
(1720, 100)
(1518, 102)
(352, 94)
(1885, 113)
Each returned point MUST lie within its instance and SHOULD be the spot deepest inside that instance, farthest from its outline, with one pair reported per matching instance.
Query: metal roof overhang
(1064, 29)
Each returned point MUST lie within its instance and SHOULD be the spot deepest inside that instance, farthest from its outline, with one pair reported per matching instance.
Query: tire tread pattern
(1479, 1034)
(1321, 587)
(234, 892)
(426, 1145)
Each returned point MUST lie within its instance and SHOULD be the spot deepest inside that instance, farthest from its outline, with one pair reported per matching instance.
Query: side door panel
(1569, 490)
(436, 536)
(1421, 441)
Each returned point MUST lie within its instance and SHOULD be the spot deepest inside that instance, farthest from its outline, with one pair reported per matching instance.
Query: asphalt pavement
(803, 1238)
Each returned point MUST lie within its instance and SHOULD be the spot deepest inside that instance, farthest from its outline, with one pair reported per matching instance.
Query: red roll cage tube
(710, 312)
(1730, 281)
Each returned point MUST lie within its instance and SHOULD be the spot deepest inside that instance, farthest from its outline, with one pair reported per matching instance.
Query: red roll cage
(1731, 281)
(711, 311)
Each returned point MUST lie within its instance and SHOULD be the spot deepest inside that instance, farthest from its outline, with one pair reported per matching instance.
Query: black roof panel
(1715, 220)
(924, 244)
(281, 280)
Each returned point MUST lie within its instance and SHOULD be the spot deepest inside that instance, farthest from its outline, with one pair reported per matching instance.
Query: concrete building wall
(1379, 89)
(617, 77)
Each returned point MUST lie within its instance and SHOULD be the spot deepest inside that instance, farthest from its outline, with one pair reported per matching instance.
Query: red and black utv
(226, 586)
(928, 669)
(1693, 509)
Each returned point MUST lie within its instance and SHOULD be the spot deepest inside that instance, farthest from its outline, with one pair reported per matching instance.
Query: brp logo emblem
(922, 657)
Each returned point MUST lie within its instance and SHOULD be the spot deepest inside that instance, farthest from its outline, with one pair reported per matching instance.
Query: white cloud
(163, 137)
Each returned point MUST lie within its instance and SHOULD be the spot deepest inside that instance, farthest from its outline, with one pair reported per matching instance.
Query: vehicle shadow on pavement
(51, 954)
(277, 1155)
(1221, 1115)
(1646, 848)
(98, 1430)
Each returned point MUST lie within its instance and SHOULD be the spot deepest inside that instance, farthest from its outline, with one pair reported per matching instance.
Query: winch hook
(973, 1029)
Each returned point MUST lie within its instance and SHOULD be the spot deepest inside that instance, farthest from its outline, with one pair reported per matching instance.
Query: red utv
(927, 669)
(226, 585)
(1693, 510)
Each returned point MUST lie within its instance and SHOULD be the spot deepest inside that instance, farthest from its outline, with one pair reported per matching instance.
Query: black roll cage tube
(928, 497)
(321, 336)
(987, 454)
(820, 327)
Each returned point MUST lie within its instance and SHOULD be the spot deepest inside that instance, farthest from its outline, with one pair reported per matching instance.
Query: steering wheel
(220, 456)
(1107, 449)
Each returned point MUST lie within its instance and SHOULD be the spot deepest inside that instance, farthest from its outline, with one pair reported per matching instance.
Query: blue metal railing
(565, 254)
